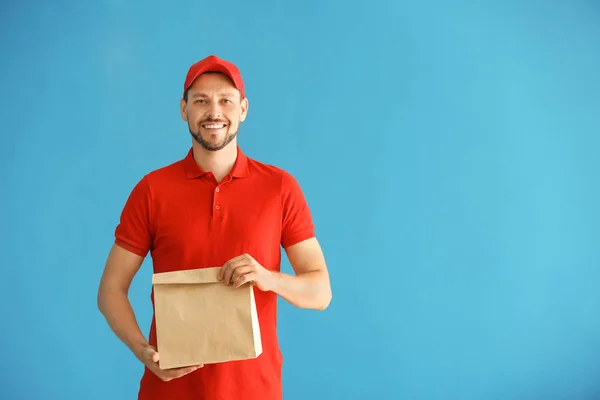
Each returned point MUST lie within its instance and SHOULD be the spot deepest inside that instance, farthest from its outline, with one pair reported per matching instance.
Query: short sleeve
(297, 223)
(133, 232)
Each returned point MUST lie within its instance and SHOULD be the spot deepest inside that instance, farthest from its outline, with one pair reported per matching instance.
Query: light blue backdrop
(449, 151)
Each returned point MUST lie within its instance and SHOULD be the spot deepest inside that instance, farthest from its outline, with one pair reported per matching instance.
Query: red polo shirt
(186, 220)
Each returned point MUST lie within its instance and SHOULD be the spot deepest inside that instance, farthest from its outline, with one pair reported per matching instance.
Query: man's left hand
(243, 269)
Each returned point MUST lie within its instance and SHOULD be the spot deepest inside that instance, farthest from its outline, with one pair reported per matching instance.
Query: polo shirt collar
(193, 170)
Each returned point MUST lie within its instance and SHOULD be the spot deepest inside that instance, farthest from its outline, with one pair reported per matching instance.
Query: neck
(220, 163)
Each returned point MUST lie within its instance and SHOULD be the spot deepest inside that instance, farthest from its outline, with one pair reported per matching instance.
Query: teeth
(213, 126)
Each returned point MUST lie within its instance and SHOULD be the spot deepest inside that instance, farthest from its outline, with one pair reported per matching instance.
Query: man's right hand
(150, 358)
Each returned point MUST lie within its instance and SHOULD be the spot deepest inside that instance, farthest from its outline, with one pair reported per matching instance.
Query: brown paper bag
(200, 320)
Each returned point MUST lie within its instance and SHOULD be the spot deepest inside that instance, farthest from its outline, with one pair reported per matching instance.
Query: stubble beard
(209, 146)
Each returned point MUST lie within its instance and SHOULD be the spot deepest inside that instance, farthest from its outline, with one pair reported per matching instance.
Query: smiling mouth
(214, 126)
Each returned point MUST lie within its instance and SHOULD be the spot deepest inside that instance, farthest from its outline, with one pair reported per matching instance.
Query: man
(215, 207)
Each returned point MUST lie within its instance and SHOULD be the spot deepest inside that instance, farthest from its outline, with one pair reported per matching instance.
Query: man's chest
(205, 225)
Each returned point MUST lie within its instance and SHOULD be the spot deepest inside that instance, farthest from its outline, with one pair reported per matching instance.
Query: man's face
(213, 110)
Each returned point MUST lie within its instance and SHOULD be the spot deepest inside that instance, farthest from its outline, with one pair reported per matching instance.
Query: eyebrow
(223, 94)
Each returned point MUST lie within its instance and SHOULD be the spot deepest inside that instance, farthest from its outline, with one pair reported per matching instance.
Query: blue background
(449, 152)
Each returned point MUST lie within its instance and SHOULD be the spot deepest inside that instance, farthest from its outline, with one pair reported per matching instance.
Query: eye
(199, 101)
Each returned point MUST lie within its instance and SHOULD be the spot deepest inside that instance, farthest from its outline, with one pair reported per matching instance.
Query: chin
(211, 145)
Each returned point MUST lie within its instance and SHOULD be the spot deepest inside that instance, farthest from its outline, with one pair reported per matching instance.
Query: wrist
(274, 281)
(138, 349)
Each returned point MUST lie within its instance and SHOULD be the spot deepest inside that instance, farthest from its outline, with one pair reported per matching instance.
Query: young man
(215, 207)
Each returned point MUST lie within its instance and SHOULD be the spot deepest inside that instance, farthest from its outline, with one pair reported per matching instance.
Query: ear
(182, 109)
(244, 105)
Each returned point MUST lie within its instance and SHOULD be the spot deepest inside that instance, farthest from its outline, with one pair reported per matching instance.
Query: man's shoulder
(278, 177)
(268, 170)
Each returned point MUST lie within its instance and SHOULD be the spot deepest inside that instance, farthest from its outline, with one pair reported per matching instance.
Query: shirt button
(217, 189)
(218, 207)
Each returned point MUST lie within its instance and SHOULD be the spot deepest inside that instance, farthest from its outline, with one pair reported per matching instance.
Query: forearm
(116, 308)
(307, 290)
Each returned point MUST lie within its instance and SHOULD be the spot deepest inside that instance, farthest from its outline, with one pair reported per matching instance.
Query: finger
(228, 274)
(222, 271)
(150, 353)
(243, 270)
(226, 268)
(179, 372)
(186, 370)
(249, 277)
(228, 264)
(173, 373)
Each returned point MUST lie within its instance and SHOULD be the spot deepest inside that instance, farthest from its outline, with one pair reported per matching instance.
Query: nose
(214, 111)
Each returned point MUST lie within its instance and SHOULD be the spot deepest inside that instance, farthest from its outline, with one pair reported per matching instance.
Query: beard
(209, 145)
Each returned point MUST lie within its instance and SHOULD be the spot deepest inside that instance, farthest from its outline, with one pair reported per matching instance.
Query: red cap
(214, 64)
